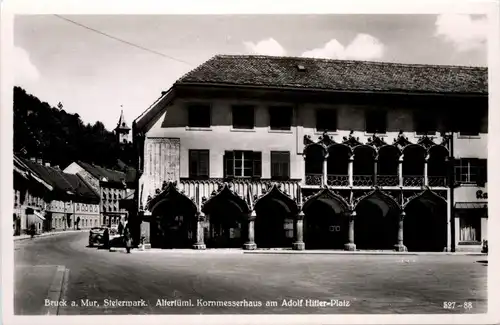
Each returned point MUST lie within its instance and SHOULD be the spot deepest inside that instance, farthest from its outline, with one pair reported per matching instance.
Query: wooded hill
(52, 134)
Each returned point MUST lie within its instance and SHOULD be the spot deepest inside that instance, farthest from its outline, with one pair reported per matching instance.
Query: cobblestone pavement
(98, 281)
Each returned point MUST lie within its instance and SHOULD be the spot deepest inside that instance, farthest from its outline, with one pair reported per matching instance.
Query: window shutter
(257, 164)
(285, 170)
(228, 164)
(193, 163)
(203, 163)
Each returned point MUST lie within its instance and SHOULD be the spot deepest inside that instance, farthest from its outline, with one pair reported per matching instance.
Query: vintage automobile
(98, 236)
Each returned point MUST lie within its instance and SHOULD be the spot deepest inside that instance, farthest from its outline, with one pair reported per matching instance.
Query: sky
(96, 76)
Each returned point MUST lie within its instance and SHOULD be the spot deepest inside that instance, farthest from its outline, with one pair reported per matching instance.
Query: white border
(11, 7)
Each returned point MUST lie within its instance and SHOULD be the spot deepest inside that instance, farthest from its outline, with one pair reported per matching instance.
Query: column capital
(402, 214)
(252, 215)
(200, 216)
(300, 215)
(351, 214)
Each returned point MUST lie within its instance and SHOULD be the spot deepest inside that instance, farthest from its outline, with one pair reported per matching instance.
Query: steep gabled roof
(337, 75)
(109, 175)
(68, 184)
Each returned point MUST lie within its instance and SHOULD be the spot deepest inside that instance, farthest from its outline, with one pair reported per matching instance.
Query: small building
(260, 151)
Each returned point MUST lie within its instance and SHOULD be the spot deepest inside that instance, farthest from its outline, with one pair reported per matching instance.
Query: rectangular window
(243, 117)
(243, 164)
(326, 120)
(280, 165)
(425, 123)
(467, 124)
(280, 117)
(471, 171)
(199, 164)
(376, 121)
(199, 115)
(470, 228)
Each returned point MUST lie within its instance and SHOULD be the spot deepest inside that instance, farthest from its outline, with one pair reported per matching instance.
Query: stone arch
(173, 221)
(437, 165)
(338, 159)
(425, 222)
(387, 166)
(275, 212)
(376, 224)
(414, 156)
(325, 221)
(227, 214)
(314, 155)
(364, 165)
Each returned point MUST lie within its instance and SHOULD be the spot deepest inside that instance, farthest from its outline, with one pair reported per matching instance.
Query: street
(199, 282)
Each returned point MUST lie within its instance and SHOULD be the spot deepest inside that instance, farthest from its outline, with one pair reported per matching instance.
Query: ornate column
(298, 232)
(350, 169)
(200, 240)
(350, 246)
(250, 244)
(375, 163)
(426, 168)
(325, 170)
(400, 170)
(400, 247)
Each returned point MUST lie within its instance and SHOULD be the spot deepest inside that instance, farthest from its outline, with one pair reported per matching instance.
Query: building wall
(221, 136)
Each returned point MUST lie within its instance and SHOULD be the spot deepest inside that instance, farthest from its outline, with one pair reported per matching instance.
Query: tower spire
(122, 130)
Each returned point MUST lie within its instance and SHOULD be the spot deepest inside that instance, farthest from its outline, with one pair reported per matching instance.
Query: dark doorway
(375, 226)
(172, 231)
(425, 226)
(225, 231)
(324, 228)
(273, 229)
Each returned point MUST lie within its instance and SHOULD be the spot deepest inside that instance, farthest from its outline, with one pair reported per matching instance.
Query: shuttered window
(199, 162)
(280, 164)
(242, 164)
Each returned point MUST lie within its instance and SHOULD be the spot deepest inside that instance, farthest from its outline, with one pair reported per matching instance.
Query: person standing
(127, 238)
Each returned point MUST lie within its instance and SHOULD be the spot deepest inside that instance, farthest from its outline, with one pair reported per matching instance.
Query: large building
(258, 151)
(51, 199)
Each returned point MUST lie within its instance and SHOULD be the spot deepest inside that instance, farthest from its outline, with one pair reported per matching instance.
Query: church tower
(122, 130)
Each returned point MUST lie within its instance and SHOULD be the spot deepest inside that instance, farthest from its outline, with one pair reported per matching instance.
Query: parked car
(98, 236)
(485, 247)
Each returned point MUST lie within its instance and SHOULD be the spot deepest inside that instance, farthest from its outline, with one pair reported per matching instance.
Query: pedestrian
(120, 228)
(127, 238)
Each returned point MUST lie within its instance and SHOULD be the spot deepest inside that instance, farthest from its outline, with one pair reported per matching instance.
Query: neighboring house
(259, 151)
(31, 195)
(111, 185)
(66, 201)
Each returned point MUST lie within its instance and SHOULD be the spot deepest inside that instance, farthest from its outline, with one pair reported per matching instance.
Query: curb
(55, 290)
(290, 252)
(367, 253)
(47, 234)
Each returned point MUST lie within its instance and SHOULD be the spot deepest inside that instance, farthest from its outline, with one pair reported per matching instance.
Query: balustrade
(362, 180)
(387, 180)
(314, 179)
(437, 181)
(413, 180)
(338, 180)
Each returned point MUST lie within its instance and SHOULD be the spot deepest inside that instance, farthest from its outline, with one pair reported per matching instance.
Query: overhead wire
(122, 40)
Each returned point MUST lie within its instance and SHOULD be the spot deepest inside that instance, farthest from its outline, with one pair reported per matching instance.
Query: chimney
(39, 161)
(47, 164)
(33, 159)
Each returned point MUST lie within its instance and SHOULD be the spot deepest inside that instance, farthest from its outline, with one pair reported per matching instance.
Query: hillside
(56, 136)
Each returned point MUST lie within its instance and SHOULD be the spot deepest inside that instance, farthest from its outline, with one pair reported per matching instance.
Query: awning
(471, 205)
(38, 214)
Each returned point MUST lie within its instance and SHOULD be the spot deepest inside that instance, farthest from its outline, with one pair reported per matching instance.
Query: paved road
(360, 284)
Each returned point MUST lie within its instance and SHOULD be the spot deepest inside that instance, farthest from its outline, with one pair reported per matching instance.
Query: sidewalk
(46, 234)
(289, 251)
